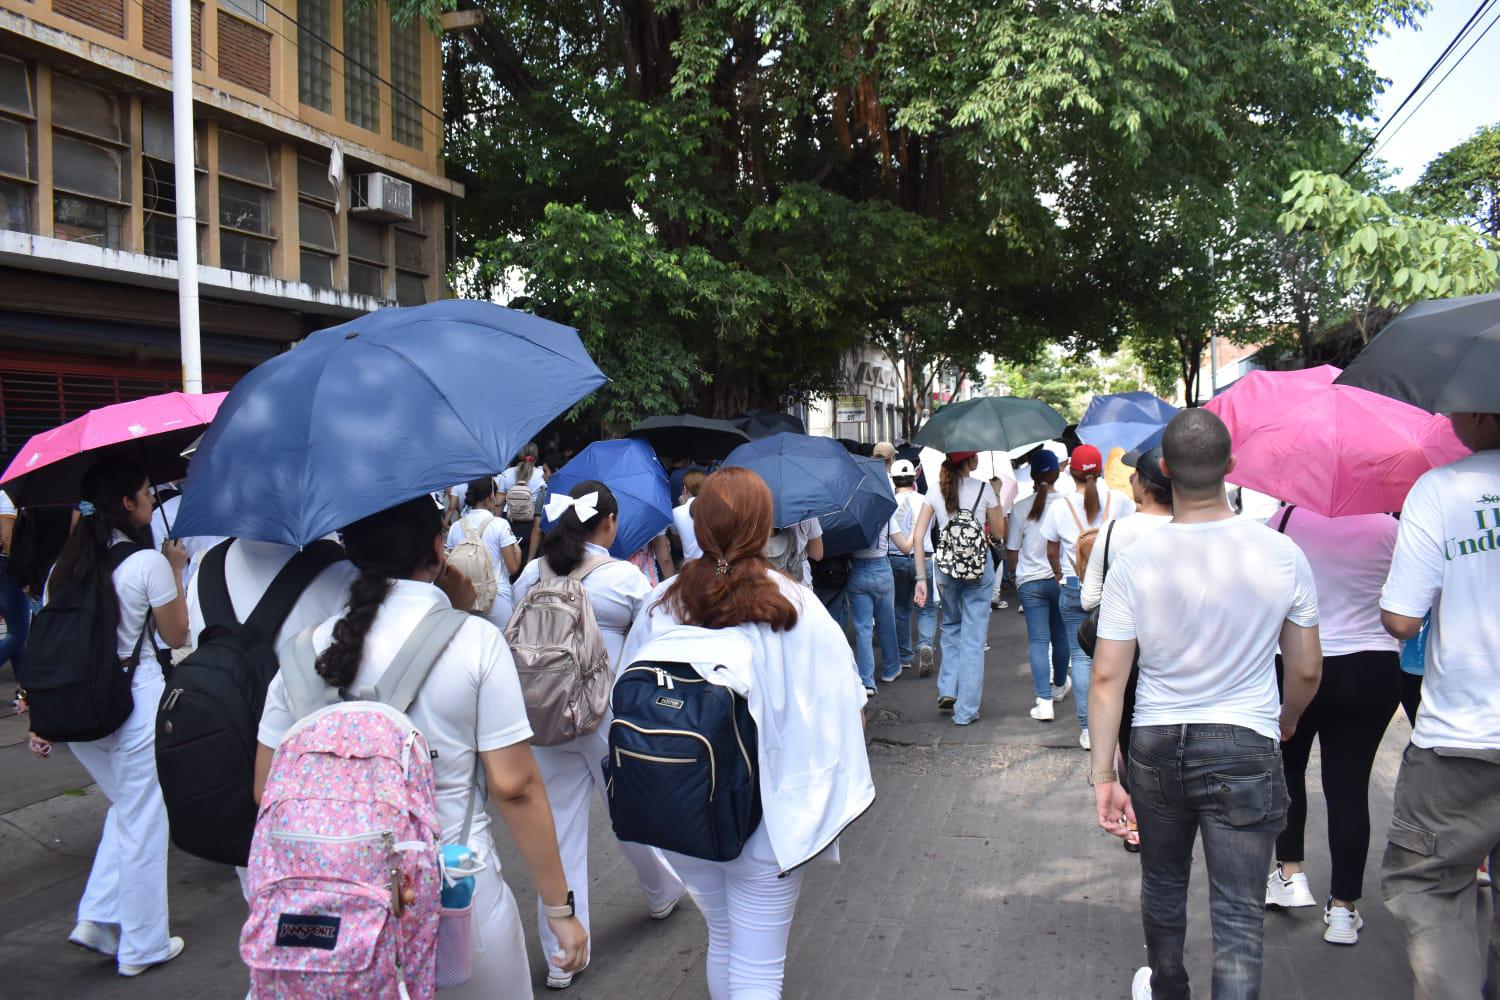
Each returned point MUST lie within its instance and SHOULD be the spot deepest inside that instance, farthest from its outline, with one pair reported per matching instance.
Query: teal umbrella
(991, 423)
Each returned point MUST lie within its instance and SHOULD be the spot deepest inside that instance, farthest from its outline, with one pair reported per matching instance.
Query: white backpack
(472, 558)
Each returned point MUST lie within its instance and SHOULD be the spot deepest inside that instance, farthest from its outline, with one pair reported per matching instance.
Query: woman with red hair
(751, 628)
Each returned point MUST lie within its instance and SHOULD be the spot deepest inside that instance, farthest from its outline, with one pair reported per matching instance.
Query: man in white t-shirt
(682, 515)
(909, 504)
(1206, 599)
(1447, 816)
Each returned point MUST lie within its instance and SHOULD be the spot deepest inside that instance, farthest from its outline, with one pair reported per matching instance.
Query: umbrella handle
(156, 506)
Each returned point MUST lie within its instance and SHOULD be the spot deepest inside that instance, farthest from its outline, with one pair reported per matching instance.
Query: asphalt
(978, 873)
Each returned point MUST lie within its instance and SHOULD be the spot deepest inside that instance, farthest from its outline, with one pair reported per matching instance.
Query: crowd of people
(1205, 652)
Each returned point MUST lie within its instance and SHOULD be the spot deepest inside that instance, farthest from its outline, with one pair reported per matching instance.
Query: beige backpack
(472, 558)
(560, 656)
(1084, 547)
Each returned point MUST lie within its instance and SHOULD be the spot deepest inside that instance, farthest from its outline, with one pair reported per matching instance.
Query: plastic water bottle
(458, 893)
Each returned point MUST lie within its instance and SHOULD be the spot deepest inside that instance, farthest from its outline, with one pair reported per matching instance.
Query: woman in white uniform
(123, 913)
(786, 656)
(470, 706)
(586, 525)
(482, 503)
(526, 473)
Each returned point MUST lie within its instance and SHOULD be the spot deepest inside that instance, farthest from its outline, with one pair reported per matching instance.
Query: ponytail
(478, 491)
(85, 555)
(563, 545)
(948, 485)
(1044, 485)
(527, 465)
(1090, 497)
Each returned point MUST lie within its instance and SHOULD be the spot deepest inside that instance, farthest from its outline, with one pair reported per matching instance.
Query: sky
(1464, 103)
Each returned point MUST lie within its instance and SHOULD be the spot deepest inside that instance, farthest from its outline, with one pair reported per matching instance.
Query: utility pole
(187, 195)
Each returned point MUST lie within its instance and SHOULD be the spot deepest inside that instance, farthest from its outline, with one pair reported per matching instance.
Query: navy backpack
(682, 772)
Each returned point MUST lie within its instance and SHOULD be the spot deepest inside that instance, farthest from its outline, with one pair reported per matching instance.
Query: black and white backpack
(962, 551)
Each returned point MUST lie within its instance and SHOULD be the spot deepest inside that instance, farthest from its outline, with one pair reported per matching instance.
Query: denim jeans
(904, 572)
(1225, 782)
(1083, 664)
(966, 623)
(16, 610)
(872, 595)
(1041, 600)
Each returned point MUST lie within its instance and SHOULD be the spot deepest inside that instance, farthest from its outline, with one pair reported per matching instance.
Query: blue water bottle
(457, 893)
(455, 939)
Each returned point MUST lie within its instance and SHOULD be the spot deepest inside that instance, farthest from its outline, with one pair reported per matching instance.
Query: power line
(1397, 130)
(1480, 11)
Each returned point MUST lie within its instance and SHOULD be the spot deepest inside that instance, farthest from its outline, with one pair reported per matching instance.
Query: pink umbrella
(152, 431)
(1334, 449)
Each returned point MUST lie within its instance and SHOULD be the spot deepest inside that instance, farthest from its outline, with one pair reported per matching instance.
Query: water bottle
(455, 940)
(457, 893)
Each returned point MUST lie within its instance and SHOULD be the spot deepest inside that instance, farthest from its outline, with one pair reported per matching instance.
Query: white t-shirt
(249, 568)
(7, 509)
(471, 702)
(682, 521)
(1024, 536)
(969, 490)
(806, 532)
(1350, 558)
(1447, 560)
(1114, 538)
(497, 537)
(882, 544)
(1206, 603)
(1058, 525)
(537, 484)
(908, 509)
(195, 547)
(615, 591)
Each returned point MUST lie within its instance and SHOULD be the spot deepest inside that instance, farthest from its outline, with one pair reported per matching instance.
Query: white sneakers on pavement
(561, 981)
(101, 938)
(1059, 693)
(665, 911)
(1043, 711)
(1140, 986)
(1288, 893)
(1343, 926)
(174, 946)
(924, 661)
(1083, 739)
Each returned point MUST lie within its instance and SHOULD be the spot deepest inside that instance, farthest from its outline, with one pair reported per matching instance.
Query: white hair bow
(585, 506)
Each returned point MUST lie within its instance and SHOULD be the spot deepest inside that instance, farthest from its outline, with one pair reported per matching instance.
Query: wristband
(1104, 777)
(560, 912)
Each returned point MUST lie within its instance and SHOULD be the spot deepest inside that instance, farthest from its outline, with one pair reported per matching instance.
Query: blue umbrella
(858, 525)
(630, 469)
(1123, 420)
(808, 476)
(390, 406)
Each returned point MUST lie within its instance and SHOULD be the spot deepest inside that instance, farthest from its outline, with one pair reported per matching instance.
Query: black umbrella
(1442, 355)
(689, 436)
(763, 423)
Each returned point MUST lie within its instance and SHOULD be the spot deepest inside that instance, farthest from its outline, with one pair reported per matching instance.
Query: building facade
(320, 189)
(869, 407)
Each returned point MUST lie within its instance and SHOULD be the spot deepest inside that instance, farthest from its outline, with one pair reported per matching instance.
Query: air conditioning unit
(381, 196)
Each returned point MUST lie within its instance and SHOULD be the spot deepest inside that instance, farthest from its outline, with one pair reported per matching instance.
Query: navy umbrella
(632, 473)
(859, 524)
(764, 423)
(388, 407)
(808, 476)
(689, 436)
(1123, 420)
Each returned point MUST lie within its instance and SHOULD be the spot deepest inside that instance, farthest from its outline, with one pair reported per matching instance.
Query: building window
(159, 185)
(17, 126)
(88, 165)
(245, 192)
(255, 10)
(315, 54)
(367, 258)
(361, 69)
(412, 267)
(316, 228)
(406, 78)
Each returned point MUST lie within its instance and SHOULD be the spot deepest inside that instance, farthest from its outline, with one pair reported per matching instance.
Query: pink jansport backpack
(348, 819)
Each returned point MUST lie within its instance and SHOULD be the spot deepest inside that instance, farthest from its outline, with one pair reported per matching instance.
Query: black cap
(1148, 466)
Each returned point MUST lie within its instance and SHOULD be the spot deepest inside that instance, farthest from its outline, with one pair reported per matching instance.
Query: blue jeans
(1083, 665)
(1226, 783)
(16, 610)
(872, 595)
(1041, 600)
(904, 572)
(966, 622)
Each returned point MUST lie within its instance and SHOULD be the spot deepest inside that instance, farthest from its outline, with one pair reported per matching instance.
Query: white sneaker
(1083, 739)
(1140, 986)
(1343, 925)
(1059, 693)
(101, 938)
(1287, 893)
(562, 980)
(1042, 711)
(174, 945)
(665, 911)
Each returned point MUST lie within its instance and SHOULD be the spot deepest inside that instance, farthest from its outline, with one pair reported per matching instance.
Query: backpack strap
(306, 692)
(213, 587)
(1076, 519)
(589, 564)
(118, 553)
(1109, 534)
(1285, 517)
(399, 685)
(286, 588)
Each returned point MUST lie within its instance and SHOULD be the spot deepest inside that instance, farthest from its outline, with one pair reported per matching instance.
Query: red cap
(1086, 458)
(961, 456)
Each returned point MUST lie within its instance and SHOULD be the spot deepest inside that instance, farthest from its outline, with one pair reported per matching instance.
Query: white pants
(749, 909)
(128, 883)
(500, 970)
(572, 771)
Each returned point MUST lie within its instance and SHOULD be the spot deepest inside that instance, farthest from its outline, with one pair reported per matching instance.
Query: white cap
(903, 469)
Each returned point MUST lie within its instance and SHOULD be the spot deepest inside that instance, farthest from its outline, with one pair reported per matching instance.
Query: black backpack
(831, 572)
(210, 709)
(71, 676)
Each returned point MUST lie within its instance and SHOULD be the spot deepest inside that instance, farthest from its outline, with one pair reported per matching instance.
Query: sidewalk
(978, 873)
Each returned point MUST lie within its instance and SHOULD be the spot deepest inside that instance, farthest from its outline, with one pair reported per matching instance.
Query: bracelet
(1104, 777)
(560, 912)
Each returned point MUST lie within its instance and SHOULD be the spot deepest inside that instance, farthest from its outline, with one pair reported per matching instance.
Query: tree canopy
(1463, 183)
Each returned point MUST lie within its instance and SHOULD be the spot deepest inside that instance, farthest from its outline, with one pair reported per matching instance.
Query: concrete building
(869, 407)
(88, 238)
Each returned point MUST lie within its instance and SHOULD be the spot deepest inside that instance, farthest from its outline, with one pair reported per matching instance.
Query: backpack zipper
(621, 751)
(171, 702)
(325, 838)
(713, 769)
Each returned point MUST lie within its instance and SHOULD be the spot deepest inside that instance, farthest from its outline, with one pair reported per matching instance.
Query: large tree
(1463, 183)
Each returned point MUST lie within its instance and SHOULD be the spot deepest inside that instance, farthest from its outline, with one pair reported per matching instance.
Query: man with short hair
(1447, 816)
(1207, 598)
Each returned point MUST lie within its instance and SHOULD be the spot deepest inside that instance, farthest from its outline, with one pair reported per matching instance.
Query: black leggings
(1348, 715)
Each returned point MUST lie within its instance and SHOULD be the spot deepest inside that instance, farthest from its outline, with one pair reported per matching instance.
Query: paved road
(978, 873)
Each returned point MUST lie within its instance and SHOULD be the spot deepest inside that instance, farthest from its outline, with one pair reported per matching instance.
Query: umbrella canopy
(390, 406)
(632, 473)
(1123, 420)
(808, 476)
(153, 431)
(1442, 355)
(764, 423)
(687, 436)
(1334, 449)
(858, 525)
(990, 423)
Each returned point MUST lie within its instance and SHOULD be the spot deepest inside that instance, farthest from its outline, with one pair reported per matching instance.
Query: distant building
(869, 407)
(88, 237)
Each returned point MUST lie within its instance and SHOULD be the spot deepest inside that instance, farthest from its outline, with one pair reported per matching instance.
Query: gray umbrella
(990, 423)
(1442, 355)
